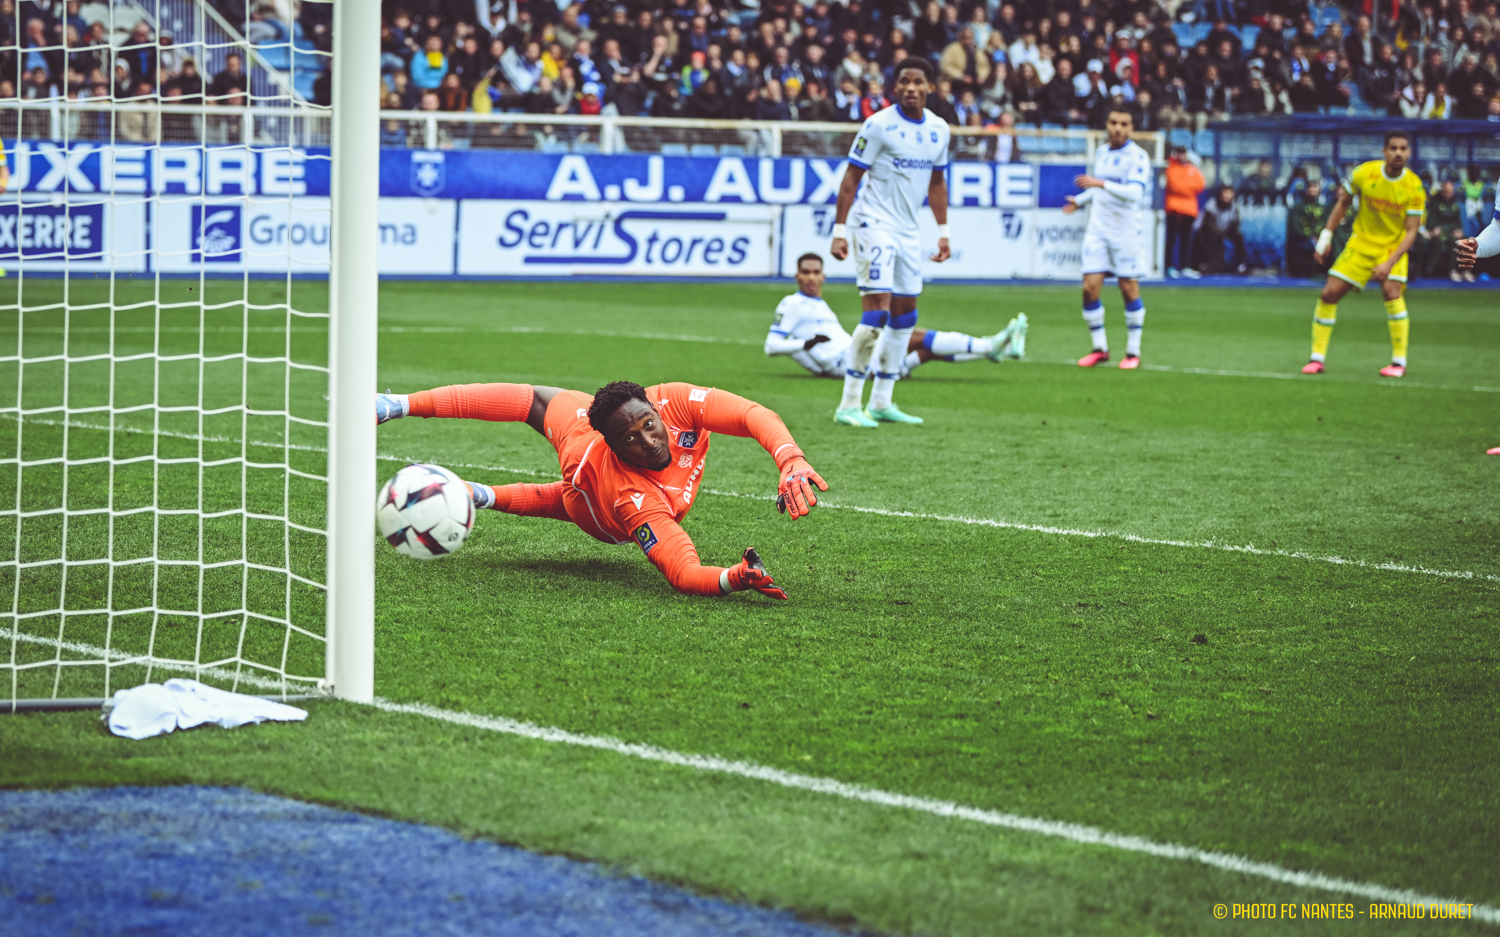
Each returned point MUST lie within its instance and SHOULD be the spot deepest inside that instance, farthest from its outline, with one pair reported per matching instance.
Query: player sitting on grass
(1391, 202)
(806, 328)
(631, 458)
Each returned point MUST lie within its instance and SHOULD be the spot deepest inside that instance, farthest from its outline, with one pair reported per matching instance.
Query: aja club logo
(429, 175)
(218, 233)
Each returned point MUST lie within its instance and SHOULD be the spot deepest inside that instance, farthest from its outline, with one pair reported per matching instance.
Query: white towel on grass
(154, 709)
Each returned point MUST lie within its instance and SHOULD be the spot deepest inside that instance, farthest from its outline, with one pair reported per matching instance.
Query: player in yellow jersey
(1391, 202)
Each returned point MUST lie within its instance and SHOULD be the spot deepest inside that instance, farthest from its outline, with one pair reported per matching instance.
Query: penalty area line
(1073, 832)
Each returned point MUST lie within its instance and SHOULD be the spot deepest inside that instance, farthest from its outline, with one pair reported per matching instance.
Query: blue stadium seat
(1247, 37)
(1180, 136)
(731, 149)
(1184, 33)
(585, 146)
(703, 149)
(554, 146)
(674, 149)
(1048, 126)
(1203, 142)
(1201, 31)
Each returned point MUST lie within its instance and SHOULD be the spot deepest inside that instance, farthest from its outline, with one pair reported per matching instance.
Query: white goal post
(188, 336)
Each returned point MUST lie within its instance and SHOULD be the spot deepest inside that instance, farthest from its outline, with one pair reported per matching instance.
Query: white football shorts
(886, 262)
(1118, 255)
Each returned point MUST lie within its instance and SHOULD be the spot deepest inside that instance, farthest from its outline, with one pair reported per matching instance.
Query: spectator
(187, 87)
(1443, 224)
(523, 70)
(874, 100)
(1379, 80)
(1183, 184)
(1259, 188)
(1474, 184)
(1362, 45)
(1304, 223)
(468, 63)
(772, 104)
(1208, 99)
(407, 93)
(1412, 100)
(1026, 94)
(1219, 221)
(452, 95)
(1169, 97)
(429, 68)
(231, 80)
(963, 63)
(1059, 101)
(1439, 105)
(815, 104)
(669, 102)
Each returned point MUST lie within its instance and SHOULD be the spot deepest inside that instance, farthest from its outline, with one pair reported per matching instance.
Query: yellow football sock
(1323, 317)
(1400, 326)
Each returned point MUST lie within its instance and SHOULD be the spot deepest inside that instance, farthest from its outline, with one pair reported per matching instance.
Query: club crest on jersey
(688, 440)
(646, 537)
(934, 136)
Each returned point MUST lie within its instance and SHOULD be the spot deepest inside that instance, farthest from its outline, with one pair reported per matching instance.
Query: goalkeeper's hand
(750, 573)
(389, 406)
(795, 494)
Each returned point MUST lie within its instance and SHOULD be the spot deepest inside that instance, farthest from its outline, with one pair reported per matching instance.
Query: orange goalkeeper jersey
(617, 502)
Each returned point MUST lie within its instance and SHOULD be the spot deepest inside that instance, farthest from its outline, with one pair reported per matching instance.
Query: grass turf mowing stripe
(1249, 549)
(1078, 833)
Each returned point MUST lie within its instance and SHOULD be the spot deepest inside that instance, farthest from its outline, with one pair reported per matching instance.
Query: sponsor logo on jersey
(698, 394)
(689, 439)
(684, 460)
(911, 163)
(859, 147)
(646, 537)
(636, 498)
(582, 412)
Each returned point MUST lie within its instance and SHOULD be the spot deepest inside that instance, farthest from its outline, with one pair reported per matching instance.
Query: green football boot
(854, 416)
(1017, 347)
(891, 414)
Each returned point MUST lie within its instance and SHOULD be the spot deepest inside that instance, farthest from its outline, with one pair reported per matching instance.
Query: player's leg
(896, 336)
(500, 403)
(1350, 271)
(890, 354)
(1135, 321)
(1394, 292)
(875, 277)
(1093, 317)
(1324, 315)
(925, 345)
(523, 499)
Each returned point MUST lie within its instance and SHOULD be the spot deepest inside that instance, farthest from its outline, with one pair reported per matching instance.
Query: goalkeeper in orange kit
(631, 460)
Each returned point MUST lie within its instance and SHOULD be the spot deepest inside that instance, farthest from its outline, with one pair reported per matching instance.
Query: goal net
(165, 351)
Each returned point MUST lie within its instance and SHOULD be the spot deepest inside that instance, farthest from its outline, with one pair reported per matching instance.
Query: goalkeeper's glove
(813, 342)
(750, 573)
(795, 494)
(389, 406)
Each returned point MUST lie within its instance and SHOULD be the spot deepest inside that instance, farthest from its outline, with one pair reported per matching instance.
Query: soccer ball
(425, 512)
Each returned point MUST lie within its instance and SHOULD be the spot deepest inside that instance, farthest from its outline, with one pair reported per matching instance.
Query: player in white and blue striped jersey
(1115, 240)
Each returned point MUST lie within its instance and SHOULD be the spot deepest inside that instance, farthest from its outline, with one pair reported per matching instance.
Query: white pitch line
(1074, 832)
(1249, 549)
(1279, 376)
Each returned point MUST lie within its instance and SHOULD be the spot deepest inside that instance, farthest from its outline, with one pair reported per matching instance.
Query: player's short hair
(611, 397)
(809, 256)
(921, 65)
(1393, 135)
(1128, 112)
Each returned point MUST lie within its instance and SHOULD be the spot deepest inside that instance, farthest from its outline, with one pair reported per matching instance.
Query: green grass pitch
(1337, 718)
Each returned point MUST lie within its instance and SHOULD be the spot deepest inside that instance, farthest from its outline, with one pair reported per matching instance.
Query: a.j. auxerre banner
(225, 210)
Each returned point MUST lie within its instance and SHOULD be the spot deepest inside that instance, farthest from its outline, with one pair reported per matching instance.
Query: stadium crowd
(1177, 63)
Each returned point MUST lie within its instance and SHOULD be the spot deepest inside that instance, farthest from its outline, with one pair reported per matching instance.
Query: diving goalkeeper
(631, 459)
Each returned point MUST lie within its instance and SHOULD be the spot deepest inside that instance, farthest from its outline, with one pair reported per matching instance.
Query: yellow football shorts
(1359, 257)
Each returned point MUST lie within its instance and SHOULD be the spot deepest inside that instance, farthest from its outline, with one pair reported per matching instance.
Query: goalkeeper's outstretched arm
(671, 550)
(722, 412)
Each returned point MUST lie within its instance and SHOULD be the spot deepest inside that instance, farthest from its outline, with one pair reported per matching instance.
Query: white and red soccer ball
(425, 511)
